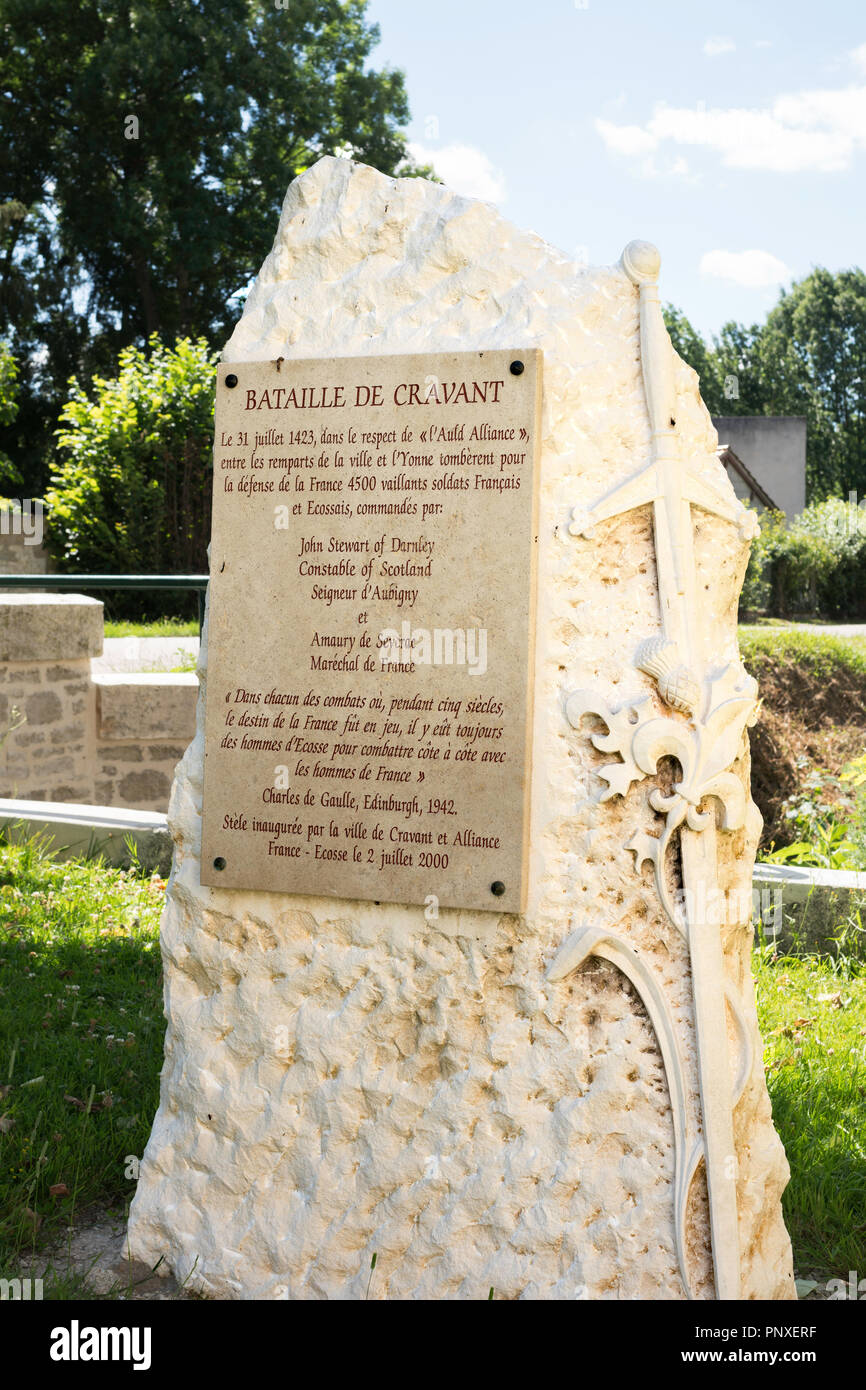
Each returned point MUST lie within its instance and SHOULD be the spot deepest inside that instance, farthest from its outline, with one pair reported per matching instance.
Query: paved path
(145, 654)
(828, 629)
(841, 630)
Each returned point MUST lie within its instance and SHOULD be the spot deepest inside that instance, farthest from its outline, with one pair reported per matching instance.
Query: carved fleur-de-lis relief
(705, 746)
(702, 726)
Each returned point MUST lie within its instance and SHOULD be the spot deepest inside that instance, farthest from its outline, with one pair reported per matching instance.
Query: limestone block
(49, 627)
(343, 1078)
(146, 706)
(144, 789)
(75, 830)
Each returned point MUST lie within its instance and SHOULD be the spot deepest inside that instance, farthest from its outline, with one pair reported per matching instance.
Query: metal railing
(83, 582)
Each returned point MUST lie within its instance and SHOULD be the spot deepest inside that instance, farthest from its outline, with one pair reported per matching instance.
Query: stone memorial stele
(548, 1083)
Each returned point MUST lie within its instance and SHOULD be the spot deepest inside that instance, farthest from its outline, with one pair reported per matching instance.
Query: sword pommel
(642, 262)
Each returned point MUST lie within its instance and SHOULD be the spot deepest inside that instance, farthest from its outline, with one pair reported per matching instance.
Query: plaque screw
(497, 889)
(219, 865)
(517, 369)
(231, 381)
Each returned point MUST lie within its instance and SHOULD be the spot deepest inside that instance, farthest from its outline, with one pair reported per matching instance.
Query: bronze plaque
(369, 682)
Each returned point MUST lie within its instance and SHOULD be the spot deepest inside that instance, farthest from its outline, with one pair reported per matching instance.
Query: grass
(188, 663)
(826, 656)
(162, 627)
(812, 1012)
(81, 1036)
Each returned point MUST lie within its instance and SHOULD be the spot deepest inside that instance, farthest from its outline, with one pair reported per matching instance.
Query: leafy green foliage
(830, 825)
(817, 565)
(828, 657)
(8, 385)
(827, 815)
(131, 494)
(160, 627)
(145, 155)
(8, 408)
(813, 348)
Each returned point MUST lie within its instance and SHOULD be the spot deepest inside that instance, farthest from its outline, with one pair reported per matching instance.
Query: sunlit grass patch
(81, 1035)
(159, 627)
(81, 1038)
(812, 1014)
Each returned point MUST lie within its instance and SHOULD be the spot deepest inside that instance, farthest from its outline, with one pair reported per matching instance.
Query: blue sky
(733, 135)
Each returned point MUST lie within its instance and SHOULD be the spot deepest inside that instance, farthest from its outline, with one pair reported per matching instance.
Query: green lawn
(160, 627)
(81, 1035)
(824, 654)
(813, 1020)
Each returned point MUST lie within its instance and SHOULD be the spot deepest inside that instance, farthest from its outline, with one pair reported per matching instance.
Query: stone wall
(101, 740)
(46, 642)
(143, 725)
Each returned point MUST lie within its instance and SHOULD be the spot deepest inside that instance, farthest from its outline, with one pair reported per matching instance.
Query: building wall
(773, 448)
(742, 489)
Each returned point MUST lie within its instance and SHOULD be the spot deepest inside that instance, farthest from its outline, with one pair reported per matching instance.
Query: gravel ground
(93, 1252)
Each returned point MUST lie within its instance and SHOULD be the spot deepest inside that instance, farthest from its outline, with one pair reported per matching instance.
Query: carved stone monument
(559, 1094)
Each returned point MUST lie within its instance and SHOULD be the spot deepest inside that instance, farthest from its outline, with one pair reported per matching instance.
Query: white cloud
(464, 168)
(754, 269)
(635, 142)
(802, 131)
(716, 46)
(626, 139)
(858, 57)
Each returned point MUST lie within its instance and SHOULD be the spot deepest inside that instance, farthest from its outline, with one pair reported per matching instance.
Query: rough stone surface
(57, 627)
(146, 706)
(343, 1079)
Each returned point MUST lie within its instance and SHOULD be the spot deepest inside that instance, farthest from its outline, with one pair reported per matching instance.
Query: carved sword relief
(710, 710)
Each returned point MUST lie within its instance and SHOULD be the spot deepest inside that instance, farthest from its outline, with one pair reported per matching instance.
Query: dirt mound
(813, 714)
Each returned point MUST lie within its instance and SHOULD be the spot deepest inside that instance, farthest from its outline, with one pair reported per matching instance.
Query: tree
(150, 145)
(8, 410)
(809, 358)
(813, 355)
(693, 349)
(739, 368)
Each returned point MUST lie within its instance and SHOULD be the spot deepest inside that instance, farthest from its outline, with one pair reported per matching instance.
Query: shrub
(816, 565)
(756, 585)
(132, 492)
